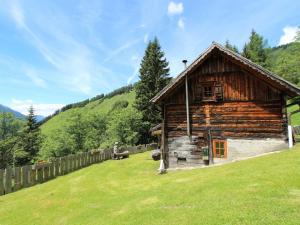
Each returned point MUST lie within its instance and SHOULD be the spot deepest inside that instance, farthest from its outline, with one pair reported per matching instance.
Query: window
(220, 148)
(207, 92)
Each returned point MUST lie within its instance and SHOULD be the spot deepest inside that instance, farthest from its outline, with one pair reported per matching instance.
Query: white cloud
(181, 23)
(289, 35)
(36, 79)
(121, 49)
(17, 13)
(73, 62)
(175, 8)
(22, 106)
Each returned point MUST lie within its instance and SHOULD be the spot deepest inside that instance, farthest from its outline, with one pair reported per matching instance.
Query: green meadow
(262, 190)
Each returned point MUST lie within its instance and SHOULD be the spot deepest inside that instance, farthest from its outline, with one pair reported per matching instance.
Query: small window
(220, 148)
(207, 92)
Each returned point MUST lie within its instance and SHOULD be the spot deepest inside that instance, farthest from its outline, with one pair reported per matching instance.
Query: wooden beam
(187, 107)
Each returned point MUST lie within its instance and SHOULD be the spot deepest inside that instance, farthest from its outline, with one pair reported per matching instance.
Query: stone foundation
(185, 153)
(243, 148)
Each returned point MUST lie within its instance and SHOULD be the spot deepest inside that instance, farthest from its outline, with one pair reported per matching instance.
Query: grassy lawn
(264, 190)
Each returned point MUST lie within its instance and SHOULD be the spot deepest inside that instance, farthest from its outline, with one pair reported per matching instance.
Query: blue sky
(57, 52)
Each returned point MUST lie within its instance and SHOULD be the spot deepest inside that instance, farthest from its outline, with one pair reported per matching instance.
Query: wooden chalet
(225, 105)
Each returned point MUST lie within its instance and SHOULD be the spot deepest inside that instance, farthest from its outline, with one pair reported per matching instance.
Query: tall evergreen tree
(255, 49)
(231, 47)
(154, 75)
(30, 141)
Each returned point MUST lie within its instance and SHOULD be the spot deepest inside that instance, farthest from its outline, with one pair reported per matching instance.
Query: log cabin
(223, 107)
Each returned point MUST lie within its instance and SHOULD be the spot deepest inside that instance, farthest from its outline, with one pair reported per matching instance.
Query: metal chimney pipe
(184, 62)
(187, 103)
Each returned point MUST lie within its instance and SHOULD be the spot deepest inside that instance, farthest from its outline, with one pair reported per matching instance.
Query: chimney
(184, 62)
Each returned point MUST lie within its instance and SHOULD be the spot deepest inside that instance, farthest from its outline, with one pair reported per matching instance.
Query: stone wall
(184, 152)
(243, 148)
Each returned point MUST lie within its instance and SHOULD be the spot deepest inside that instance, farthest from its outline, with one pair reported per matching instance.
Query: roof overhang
(273, 79)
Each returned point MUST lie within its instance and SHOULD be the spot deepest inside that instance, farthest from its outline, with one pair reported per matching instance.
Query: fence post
(99, 156)
(8, 180)
(79, 161)
(17, 183)
(62, 165)
(75, 162)
(46, 172)
(71, 163)
(51, 170)
(32, 175)
(40, 175)
(57, 167)
(69, 159)
(68, 164)
(1, 182)
(86, 159)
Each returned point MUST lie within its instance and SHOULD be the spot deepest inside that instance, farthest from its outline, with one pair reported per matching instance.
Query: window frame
(216, 91)
(212, 93)
(215, 141)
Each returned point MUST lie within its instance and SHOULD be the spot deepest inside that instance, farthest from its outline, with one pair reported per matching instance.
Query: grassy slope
(97, 107)
(295, 117)
(264, 190)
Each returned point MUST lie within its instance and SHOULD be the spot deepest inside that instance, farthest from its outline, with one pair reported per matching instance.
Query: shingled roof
(287, 87)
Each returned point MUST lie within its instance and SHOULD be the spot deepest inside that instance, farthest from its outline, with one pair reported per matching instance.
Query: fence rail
(14, 179)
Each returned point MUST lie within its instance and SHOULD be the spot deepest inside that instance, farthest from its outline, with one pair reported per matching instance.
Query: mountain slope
(16, 113)
(264, 190)
(285, 61)
(97, 124)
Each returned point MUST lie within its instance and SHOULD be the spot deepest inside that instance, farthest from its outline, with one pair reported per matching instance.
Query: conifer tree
(231, 47)
(154, 75)
(30, 141)
(255, 49)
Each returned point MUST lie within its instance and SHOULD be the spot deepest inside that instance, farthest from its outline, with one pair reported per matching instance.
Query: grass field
(264, 190)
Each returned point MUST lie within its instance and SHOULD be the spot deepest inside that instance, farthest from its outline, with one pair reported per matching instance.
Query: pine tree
(30, 141)
(231, 47)
(255, 49)
(154, 75)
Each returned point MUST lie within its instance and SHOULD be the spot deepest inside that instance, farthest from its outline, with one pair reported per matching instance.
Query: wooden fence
(14, 179)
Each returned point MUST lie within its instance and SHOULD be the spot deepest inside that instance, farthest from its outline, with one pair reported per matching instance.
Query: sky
(55, 52)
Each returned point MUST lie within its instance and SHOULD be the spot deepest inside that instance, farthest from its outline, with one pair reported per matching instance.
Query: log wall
(250, 107)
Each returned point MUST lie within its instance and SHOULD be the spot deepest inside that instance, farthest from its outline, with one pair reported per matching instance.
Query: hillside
(16, 113)
(97, 124)
(284, 61)
(264, 190)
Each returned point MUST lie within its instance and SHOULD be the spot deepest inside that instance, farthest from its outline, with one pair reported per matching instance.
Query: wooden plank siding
(251, 108)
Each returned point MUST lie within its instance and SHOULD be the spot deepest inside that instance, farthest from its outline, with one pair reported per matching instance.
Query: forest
(124, 115)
